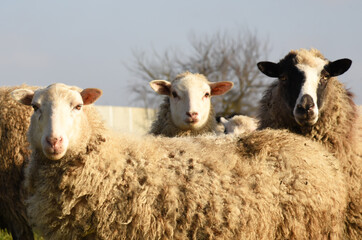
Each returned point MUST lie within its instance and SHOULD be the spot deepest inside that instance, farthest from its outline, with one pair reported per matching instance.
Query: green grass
(4, 235)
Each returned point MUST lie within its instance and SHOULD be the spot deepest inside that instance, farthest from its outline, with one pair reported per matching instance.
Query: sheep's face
(190, 103)
(303, 78)
(190, 99)
(56, 124)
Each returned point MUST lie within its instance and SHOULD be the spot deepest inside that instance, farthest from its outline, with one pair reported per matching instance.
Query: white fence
(127, 119)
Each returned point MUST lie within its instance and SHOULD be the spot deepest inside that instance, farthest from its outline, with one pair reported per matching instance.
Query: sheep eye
(78, 107)
(207, 95)
(174, 94)
(35, 107)
(325, 75)
(283, 78)
(324, 79)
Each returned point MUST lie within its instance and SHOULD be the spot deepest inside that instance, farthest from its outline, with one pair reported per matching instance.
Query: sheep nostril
(306, 107)
(310, 106)
(192, 114)
(306, 103)
(53, 141)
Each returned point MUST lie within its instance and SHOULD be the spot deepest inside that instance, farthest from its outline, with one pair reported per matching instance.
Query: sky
(89, 43)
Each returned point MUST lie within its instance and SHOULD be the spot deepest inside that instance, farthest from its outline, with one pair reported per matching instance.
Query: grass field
(6, 236)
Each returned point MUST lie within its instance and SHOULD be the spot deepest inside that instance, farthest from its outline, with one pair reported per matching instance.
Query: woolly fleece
(337, 129)
(14, 122)
(240, 124)
(271, 184)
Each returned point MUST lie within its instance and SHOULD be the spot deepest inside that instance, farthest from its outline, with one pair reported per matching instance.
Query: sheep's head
(303, 79)
(190, 98)
(58, 116)
(239, 124)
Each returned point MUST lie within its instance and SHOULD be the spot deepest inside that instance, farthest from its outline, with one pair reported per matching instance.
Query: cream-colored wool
(337, 129)
(239, 124)
(14, 122)
(270, 184)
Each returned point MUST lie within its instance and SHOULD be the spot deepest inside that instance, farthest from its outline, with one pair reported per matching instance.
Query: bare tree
(221, 57)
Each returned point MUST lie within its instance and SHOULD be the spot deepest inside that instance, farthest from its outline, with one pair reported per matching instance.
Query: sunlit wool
(338, 126)
(14, 122)
(271, 184)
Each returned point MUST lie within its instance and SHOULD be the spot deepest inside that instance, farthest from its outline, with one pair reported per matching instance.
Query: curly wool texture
(240, 124)
(14, 122)
(163, 125)
(268, 185)
(338, 129)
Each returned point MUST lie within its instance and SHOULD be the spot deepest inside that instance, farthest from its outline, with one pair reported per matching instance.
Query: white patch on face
(191, 100)
(310, 86)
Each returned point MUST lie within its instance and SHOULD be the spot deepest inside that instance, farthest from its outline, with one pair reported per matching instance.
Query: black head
(303, 76)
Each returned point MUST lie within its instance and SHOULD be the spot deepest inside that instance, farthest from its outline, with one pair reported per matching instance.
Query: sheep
(14, 122)
(309, 100)
(359, 123)
(239, 124)
(85, 182)
(186, 110)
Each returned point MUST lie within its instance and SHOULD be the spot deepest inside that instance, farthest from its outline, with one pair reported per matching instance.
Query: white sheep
(86, 183)
(187, 108)
(309, 100)
(239, 124)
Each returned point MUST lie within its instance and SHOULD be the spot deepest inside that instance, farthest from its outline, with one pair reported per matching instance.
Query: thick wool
(271, 184)
(337, 129)
(14, 122)
(164, 126)
(240, 124)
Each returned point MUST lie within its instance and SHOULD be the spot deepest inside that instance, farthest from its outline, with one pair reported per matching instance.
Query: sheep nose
(53, 141)
(306, 104)
(192, 114)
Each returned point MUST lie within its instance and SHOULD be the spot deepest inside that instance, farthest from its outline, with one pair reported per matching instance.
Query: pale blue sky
(87, 42)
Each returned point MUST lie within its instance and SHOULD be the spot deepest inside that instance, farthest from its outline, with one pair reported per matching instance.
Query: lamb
(86, 183)
(309, 100)
(187, 109)
(239, 124)
(14, 122)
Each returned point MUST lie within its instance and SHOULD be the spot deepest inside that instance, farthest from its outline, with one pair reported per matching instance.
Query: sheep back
(269, 184)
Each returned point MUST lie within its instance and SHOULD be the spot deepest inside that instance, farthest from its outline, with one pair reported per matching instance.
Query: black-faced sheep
(86, 183)
(14, 122)
(309, 100)
(187, 108)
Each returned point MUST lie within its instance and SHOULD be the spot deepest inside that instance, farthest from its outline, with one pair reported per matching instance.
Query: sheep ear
(223, 120)
(269, 68)
(90, 95)
(161, 87)
(338, 67)
(219, 88)
(23, 96)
